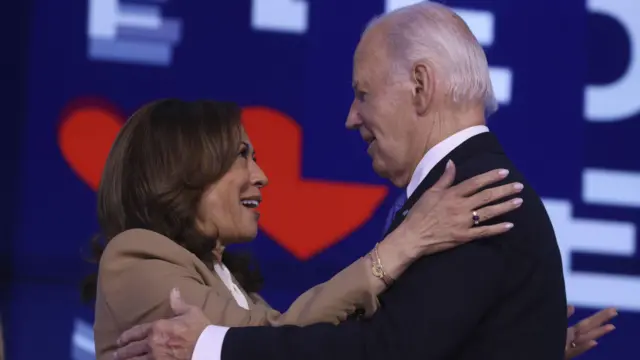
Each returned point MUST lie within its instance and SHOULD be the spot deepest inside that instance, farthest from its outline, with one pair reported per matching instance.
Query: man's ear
(423, 82)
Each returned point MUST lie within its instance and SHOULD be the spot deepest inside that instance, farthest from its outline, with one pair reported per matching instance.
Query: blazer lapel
(485, 142)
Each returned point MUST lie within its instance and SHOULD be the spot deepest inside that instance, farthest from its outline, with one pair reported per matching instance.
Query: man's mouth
(370, 142)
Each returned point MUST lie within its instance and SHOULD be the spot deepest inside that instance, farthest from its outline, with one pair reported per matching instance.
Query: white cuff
(209, 344)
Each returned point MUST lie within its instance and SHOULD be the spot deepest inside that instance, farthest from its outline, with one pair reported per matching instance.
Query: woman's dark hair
(162, 160)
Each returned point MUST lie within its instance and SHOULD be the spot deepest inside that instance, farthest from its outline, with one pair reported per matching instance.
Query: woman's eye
(244, 152)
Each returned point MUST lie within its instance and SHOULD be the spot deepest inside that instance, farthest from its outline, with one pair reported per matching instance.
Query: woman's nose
(258, 177)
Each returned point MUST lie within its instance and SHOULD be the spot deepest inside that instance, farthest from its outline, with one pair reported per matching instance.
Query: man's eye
(360, 95)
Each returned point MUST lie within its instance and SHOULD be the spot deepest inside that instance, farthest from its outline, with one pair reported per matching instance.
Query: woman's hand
(444, 216)
(582, 336)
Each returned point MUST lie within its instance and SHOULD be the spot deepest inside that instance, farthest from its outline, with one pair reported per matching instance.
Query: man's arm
(209, 343)
(170, 342)
(429, 311)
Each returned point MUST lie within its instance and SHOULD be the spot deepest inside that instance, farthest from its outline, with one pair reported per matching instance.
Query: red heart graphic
(304, 216)
(85, 137)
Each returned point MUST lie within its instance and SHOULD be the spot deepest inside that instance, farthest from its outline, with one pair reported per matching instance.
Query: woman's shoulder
(144, 244)
(140, 256)
(137, 271)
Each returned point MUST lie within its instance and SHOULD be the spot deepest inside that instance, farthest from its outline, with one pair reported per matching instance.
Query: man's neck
(438, 152)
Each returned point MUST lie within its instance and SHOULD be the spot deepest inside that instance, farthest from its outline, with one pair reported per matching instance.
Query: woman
(181, 183)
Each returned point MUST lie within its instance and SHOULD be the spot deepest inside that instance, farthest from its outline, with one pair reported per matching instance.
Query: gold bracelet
(377, 269)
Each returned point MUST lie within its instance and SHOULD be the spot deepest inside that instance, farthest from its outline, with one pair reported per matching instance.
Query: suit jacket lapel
(485, 142)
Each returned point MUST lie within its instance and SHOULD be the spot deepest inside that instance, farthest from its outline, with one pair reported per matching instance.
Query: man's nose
(353, 120)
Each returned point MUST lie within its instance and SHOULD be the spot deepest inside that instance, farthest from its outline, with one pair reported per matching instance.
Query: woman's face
(228, 209)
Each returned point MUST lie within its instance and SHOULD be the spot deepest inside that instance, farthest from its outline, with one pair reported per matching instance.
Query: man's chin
(380, 169)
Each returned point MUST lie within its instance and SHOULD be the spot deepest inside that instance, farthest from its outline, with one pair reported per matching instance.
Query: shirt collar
(438, 152)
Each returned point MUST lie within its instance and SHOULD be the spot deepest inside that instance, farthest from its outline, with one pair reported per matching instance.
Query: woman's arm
(149, 265)
(440, 220)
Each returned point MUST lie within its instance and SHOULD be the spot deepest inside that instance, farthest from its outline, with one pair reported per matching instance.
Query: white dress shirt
(209, 344)
(438, 152)
(225, 275)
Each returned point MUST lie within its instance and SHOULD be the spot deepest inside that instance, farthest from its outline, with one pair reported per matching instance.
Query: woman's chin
(249, 233)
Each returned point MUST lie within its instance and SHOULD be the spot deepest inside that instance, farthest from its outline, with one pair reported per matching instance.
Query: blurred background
(567, 74)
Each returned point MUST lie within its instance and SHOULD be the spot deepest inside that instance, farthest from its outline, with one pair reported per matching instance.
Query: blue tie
(397, 205)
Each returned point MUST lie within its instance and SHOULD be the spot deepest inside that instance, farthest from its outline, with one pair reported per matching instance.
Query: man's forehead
(370, 55)
(367, 67)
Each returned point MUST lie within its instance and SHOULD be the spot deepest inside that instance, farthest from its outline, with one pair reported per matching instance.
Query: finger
(473, 185)
(596, 320)
(136, 333)
(492, 211)
(594, 334)
(178, 305)
(579, 350)
(570, 310)
(132, 350)
(479, 232)
(491, 195)
(570, 336)
(447, 177)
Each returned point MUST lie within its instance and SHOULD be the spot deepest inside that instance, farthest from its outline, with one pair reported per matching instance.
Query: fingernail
(115, 355)
(508, 225)
(503, 172)
(517, 201)
(518, 186)
(449, 163)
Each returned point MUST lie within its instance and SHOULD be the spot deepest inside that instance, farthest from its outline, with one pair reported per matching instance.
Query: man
(422, 91)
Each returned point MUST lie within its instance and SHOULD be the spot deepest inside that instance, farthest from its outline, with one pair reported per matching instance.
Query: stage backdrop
(567, 74)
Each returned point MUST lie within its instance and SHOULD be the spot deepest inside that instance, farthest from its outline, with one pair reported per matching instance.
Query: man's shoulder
(482, 162)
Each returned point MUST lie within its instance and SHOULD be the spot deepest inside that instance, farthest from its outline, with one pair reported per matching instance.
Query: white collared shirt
(209, 344)
(438, 152)
(225, 275)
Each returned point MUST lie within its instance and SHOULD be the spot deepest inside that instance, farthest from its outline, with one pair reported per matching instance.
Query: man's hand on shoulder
(172, 339)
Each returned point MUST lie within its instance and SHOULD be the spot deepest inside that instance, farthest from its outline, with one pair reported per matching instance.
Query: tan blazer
(139, 268)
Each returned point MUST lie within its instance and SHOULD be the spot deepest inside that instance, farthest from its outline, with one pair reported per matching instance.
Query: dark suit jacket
(501, 298)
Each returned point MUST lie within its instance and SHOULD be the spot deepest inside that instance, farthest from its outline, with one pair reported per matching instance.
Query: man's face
(383, 112)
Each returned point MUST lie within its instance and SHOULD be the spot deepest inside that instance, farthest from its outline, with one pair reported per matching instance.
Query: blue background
(553, 48)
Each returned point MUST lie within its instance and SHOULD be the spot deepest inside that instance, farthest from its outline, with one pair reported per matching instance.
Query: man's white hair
(431, 31)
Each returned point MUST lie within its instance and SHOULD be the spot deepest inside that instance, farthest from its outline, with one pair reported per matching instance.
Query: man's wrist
(209, 343)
